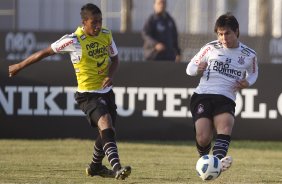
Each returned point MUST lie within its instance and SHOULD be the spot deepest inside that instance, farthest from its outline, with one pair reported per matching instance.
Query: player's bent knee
(203, 139)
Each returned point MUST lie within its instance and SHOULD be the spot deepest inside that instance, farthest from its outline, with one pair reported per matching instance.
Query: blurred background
(260, 21)
(257, 17)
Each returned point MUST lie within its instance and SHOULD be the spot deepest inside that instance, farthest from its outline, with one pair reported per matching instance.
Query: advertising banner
(18, 45)
(152, 98)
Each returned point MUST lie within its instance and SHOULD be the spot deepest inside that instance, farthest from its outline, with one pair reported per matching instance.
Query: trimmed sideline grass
(64, 161)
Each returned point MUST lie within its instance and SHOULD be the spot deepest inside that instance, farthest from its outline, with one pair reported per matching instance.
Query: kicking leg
(110, 147)
(223, 124)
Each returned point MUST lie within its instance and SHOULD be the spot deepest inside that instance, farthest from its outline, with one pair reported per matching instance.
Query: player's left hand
(107, 82)
(241, 84)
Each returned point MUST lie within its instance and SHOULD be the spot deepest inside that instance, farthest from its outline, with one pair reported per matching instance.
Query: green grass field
(64, 161)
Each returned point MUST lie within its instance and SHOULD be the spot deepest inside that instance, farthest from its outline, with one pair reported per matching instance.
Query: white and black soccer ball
(208, 167)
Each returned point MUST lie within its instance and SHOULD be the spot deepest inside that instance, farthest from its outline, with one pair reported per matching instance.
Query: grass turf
(153, 162)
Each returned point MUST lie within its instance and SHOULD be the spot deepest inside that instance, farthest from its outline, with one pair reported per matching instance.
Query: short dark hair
(156, 0)
(227, 20)
(89, 8)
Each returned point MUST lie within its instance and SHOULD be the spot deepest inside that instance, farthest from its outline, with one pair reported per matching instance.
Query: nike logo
(100, 64)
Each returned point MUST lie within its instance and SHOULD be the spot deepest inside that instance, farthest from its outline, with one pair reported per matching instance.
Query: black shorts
(210, 105)
(97, 103)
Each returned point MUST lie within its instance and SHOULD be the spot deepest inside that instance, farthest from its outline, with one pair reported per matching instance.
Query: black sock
(110, 148)
(98, 153)
(203, 150)
(221, 145)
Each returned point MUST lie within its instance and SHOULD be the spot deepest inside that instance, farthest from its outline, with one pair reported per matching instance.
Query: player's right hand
(241, 84)
(107, 82)
(14, 69)
(202, 67)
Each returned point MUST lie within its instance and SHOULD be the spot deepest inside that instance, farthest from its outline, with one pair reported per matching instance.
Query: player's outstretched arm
(15, 68)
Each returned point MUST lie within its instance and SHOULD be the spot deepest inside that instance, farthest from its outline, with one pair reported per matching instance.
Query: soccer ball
(208, 167)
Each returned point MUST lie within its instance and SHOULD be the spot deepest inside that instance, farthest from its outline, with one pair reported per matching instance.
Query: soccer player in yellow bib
(95, 60)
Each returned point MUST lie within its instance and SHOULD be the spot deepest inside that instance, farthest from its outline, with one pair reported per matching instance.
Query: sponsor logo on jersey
(64, 45)
(225, 69)
(245, 52)
(82, 37)
(202, 55)
(101, 63)
(105, 31)
(254, 65)
(101, 71)
(241, 60)
(96, 50)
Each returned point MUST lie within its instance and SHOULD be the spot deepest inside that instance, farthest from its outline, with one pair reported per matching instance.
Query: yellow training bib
(94, 64)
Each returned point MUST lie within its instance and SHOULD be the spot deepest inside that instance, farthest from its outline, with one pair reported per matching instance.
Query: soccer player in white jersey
(225, 66)
(95, 59)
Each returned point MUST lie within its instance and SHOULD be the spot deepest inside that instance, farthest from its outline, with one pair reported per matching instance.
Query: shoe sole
(101, 175)
(227, 162)
(124, 174)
